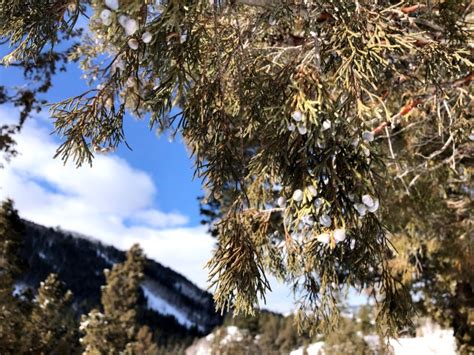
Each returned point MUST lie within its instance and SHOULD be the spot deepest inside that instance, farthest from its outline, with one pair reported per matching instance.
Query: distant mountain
(168, 302)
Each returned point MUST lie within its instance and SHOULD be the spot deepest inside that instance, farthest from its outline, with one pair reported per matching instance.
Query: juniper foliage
(312, 114)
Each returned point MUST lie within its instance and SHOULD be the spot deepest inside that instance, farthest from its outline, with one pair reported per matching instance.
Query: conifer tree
(11, 265)
(346, 340)
(435, 255)
(52, 328)
(46, 326)
(365, 317)
(144, 343)
(11, 230)
(307, 120)
(115, 330)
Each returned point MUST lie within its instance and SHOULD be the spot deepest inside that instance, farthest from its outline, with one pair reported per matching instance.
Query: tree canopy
(317, 126)
(115, 329)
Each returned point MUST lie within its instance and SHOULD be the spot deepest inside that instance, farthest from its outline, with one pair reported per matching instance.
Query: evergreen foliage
(115, 329)
(11, 230)
(436, 254)
(38, 70)
(144, 343)
(12, 317)
(45, 325)
(52, 328)
(50, 250)
(303, 119)
(244, 344)
(346, 340)
(269, 332)
(366, 318)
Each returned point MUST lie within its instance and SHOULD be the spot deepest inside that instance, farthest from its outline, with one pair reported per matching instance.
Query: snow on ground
(438, 342)
(313, 349)
(226, 335)
(163, 307)
(232, 334)
(441, 342)
(431, 341)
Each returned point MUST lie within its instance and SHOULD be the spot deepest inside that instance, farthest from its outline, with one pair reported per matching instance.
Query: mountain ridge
(167, 299)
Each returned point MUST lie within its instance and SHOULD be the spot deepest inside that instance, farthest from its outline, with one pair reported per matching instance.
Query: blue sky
(145, 195)
(167, 162)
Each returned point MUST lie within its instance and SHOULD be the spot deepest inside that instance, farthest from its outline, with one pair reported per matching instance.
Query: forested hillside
(168, 300)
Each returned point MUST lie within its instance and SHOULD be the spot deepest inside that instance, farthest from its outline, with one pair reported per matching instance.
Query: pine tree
(11, 230)
(45, 326)
(116, 329)
(270, 327)
(12, 317)
(435, 255)
(52, 328)
(306, 120)
(346, 340)
(144, 343)
(366, 317)
(288, 337)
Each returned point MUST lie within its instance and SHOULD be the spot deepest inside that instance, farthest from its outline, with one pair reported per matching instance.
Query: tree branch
(412, 104)
(260, 3)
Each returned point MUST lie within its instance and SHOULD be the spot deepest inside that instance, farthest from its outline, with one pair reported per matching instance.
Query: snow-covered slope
(219, 338)
(439, 342)
(164, 306)
(435, 342)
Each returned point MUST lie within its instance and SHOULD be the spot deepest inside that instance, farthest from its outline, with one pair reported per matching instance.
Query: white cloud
(158, 219)
(111, 201)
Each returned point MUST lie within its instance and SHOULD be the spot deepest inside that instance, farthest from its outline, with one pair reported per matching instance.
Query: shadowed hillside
(168, 302)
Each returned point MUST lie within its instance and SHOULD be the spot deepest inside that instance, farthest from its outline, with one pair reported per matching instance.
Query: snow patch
(105, 257)
(210, 337)
(312, 349)
(441, 342)
(163, 307)
(18, 289)
(232, 334)
(189, 291)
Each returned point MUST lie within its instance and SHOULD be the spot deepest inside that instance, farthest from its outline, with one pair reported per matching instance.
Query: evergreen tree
(11, 230)
(45, 326)
(366, 318)
(269, 329)
(346, 340)
(52, 328)
(116, 330)
(144, 343)
(303, 119)
(435, 255)
(288, 337)
(12, 317)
